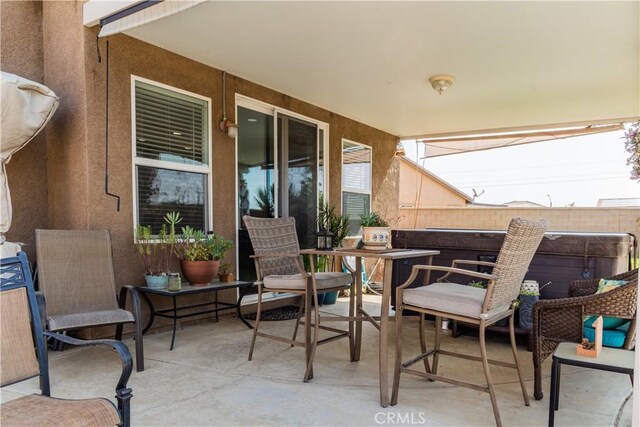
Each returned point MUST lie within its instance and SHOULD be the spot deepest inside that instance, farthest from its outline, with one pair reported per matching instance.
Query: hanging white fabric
(26, 107)
(145, 16)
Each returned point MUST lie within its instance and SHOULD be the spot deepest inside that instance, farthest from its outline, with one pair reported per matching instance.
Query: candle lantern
(324, 241)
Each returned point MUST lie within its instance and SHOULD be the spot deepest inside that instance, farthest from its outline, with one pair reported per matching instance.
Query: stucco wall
(128, 56)
(67, 141)
(420, 189)
(614, 220)
(72, 181)
(21, 53)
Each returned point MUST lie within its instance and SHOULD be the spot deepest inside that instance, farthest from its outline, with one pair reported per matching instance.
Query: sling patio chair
(279, 268)
(76, 277)
(21, 329)
(482, 307)
(562, 320)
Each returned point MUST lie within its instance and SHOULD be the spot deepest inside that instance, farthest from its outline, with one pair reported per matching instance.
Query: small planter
(526, 310)
(199, 273)
(226, 277)
(375, 237)
(156, 282)
(330, 298)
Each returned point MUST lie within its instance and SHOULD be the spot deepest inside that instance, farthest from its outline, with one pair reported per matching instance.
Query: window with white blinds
(172, 170)
(356, 182)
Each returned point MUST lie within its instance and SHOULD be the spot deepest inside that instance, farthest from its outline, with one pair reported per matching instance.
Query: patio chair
(21, 328)
(482, 307)
(279, 268)
(561, 320)
(76, 277)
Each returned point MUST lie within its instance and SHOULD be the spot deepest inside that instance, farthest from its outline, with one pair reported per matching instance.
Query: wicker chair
(561, 320)
(75, 274)
(279, 268)
(472, 305)
(21, 328)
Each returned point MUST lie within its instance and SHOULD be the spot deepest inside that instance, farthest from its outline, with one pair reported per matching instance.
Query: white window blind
(356, 182)
(170, 126)
(172, 171)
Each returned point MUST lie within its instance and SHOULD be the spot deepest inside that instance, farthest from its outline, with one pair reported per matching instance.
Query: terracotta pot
(199, 273)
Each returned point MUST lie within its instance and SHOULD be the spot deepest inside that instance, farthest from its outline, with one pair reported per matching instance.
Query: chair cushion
(94, 318)
(452, 298)
(608, 322)
(36, 410)
(298, 282)
(610, 337)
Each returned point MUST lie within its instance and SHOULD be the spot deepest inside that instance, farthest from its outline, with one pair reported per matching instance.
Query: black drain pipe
(106, 135)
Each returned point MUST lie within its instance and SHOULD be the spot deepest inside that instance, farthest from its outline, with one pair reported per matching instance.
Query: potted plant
(338, 225)
(155, 254)
(200, 255)
(224, 273)
(329, 220)
(375, 231)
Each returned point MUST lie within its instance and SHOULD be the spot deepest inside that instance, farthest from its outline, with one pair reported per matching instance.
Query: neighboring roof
(516, 64)
(619, 202)
(523, 204)
(436, 178)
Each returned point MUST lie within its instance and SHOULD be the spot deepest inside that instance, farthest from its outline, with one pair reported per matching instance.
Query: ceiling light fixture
(400, 150)
(441, 82)
(227, 126)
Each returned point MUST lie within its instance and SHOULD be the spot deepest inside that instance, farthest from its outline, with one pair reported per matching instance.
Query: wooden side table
(610, 359)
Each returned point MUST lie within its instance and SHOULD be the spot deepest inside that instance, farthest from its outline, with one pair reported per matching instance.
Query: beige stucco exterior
(58, 180)
(421, 188)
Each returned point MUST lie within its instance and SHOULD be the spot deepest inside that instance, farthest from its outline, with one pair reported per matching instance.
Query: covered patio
(207, 380)
(352, 74)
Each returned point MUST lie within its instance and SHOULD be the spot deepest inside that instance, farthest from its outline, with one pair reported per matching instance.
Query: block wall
(612, 220)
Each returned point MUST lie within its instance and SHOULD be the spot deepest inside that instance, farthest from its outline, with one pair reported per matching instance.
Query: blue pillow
(607, 322)
(610, 337)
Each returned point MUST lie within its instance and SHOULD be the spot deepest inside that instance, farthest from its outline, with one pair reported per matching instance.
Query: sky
(576, 171)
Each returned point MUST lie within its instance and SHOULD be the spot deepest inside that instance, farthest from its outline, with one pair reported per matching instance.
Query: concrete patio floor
(207, 381)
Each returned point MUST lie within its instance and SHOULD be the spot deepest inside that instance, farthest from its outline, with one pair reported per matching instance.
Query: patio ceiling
(516, 63)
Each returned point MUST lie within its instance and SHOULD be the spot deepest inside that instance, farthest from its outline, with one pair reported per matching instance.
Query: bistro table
(214, 306)
(388, 255)
(610, 359)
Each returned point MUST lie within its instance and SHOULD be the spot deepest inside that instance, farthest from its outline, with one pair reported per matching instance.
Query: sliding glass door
(280, 172)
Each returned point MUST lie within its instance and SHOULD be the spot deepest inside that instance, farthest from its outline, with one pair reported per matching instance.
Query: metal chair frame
(309, 295)
(503, 284)
(15, 274)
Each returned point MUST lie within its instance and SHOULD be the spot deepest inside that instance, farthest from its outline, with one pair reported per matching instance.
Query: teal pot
(157, 282)
(330, 298)
(321, 297)
(526, 310)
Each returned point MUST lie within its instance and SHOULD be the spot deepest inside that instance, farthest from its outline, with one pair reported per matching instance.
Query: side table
(173, 312)
(610, 359)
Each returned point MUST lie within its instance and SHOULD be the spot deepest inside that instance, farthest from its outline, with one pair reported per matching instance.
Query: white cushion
(298, 282)
(452, 298)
